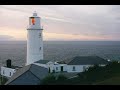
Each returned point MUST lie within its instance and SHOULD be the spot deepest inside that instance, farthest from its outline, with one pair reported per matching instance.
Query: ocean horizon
(60, 50)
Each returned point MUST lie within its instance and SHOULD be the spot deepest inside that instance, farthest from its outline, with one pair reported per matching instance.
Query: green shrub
(3, 80)
(54, 80)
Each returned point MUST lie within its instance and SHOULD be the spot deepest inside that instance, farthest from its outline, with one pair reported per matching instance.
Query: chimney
(8, 63)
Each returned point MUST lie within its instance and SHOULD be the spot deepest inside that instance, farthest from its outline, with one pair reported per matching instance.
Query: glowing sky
(62, 22)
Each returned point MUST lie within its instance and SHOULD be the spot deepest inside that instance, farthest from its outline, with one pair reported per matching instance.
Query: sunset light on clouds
(62, 22)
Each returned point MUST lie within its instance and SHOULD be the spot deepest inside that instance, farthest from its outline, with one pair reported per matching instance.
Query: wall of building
(58, 68)
(66, 68)
(8, 72)
(76, 68)
(34, 46)
(50, 66)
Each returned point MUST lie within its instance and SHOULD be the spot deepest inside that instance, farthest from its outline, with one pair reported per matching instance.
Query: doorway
(61, 68)
(49, 70)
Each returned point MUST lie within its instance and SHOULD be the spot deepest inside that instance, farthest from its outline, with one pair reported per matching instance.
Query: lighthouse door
(61, 68)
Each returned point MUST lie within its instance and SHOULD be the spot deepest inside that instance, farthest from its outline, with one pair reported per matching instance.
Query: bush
(3, 80)
(54, 80)
(48, 80)
(61, 79)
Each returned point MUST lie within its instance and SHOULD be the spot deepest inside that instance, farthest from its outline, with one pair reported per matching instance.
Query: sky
(62, 22)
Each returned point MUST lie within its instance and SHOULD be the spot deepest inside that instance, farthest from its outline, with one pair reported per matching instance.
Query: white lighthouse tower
(34, 40)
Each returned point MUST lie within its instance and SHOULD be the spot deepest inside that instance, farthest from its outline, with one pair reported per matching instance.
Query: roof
(61, 62)
(14, 67)
(43, 61)
(33, 70)
(87, 60)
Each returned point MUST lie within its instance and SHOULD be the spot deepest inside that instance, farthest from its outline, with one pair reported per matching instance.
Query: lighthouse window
(40, 48)
(33, 21)
(3, 72)
(39, 35)
(73, 68)
(10, 73)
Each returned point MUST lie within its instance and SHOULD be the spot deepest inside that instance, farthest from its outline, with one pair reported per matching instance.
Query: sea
(59, 50)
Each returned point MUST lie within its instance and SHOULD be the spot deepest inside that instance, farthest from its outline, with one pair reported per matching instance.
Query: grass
(3, 80)
(111, 81)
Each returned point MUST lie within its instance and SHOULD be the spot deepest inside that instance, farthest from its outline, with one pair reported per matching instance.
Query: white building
(76, 64)
(35, 61)
(7, 72)
(34, 40)
(51, 65)
(81, 63)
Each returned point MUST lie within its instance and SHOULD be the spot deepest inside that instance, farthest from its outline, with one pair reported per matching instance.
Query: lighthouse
(34, 40)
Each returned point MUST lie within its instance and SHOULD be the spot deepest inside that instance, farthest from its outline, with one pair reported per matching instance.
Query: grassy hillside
(99, 74)
(111, 81)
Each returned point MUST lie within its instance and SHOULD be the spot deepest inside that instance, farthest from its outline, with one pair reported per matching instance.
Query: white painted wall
(67, 68)
(78, 68)
(8, 72)
(55, 66)
(58, 67)
(34, 41)
(51, 66)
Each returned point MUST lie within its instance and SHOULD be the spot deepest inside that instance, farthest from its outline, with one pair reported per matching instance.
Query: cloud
(28, 10)
(94, 21)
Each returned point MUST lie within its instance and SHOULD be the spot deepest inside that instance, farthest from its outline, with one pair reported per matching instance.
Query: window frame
(3, 72)
(73, 68)
(56, 68)
(40, 48)
(40, 35)
(10, 74)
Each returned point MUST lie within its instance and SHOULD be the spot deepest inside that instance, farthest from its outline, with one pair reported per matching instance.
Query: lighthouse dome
(35, 14)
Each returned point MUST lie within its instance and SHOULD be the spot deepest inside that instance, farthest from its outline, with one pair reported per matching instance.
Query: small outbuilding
(80, 63)
(28, 75)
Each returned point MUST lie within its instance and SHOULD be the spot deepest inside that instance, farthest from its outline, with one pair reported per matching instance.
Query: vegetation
(3, 80)
(109, 74)
(51, 79)
(111, 81)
